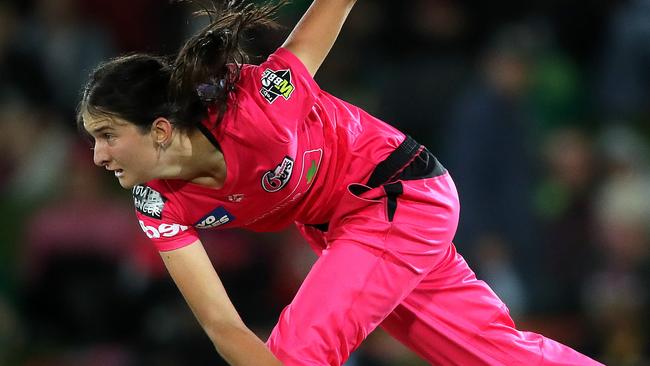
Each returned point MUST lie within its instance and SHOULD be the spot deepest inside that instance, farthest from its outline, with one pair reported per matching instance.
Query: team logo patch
(275, 84)
(217, 217)
(148, 201)
(275, 180)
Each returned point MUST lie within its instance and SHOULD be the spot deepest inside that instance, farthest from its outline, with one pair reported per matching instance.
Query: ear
(161, 131)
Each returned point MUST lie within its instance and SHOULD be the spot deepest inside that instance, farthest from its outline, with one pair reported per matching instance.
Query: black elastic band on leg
(394, 162)
(393, 190)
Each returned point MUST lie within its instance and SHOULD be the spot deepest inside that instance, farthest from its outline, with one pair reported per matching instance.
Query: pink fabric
(406, 276)
(317, 142)
(293, 153)
(451, 318)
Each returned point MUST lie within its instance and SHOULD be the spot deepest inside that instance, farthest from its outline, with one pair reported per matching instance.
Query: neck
(192, 157)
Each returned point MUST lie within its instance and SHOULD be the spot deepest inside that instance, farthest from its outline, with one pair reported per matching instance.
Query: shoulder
(161, 215)
(278, 75)
(151, 198)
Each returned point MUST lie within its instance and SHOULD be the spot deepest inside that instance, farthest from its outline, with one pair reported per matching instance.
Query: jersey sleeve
(158, 218)
(282, 86)
(166, 235)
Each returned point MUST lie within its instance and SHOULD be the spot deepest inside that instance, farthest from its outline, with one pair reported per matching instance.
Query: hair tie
(209, 92)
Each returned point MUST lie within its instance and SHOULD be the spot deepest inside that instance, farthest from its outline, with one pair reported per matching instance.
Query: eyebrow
(101, 129)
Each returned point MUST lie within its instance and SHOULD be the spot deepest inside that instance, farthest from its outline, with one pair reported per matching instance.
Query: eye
(108, 136)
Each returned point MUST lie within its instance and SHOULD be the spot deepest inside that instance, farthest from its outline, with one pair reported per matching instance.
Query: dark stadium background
(540, 110)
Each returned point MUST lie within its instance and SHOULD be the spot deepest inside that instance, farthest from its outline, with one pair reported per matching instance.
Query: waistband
(409, 161)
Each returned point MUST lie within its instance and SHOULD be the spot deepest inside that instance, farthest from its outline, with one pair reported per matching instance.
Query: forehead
(94, 122)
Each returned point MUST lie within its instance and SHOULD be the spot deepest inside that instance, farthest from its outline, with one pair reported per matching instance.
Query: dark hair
(140, 87)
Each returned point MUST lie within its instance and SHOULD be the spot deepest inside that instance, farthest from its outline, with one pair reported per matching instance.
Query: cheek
(145, 156)
(136, 155)
(127, 152)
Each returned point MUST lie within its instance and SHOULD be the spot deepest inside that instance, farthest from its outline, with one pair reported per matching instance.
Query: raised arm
(315, 33)
(201, 287)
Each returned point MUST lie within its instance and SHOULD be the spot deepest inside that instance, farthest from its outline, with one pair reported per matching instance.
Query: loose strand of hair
(215, 54)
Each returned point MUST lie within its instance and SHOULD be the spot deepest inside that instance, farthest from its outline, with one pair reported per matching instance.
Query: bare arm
(315, 33)
(201, 287)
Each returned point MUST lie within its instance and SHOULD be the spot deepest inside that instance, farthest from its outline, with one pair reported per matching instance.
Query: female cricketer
(207, 141)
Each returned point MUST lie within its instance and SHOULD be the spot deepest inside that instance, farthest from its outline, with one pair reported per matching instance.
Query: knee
(311, 343)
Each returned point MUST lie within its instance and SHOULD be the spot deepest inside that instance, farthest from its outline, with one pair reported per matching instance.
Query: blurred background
(539, 109)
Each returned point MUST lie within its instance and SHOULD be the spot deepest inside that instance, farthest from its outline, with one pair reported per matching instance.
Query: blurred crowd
(540, 110)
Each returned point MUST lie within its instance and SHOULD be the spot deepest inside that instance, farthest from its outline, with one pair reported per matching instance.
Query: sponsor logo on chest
(215, 218)
(274, 180)
(311, 161)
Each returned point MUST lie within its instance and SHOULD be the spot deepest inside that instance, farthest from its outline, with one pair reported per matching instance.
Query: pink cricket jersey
(290, 148)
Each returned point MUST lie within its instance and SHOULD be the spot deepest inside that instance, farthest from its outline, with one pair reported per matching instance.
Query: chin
(128, 180)
(127, 185)
(130, 183)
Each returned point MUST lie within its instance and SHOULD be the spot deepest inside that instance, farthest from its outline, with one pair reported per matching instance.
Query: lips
(118, 172)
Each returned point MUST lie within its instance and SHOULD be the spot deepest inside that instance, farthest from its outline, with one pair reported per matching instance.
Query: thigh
(451, 318)
(348, 293)
(374, 258)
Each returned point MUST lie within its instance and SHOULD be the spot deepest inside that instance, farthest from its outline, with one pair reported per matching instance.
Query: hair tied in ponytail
(209, 92)
(224, 37)
(226, 34)
(207, 68)
(209, 38)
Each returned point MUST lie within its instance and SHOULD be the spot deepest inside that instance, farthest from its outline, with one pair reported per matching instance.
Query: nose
(100, 155)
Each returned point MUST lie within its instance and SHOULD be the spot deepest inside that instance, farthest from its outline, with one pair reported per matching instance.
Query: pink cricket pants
(396, 267)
